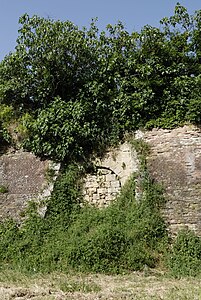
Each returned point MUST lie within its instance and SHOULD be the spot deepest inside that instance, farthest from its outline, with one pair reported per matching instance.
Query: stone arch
(111, 173)
(101, 187)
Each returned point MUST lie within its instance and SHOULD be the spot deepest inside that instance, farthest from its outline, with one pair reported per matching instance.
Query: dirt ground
(95, 286)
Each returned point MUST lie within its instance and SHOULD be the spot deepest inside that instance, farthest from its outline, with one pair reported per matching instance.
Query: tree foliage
(83, 88)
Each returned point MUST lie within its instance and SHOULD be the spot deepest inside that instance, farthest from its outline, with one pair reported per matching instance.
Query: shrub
(184, 258)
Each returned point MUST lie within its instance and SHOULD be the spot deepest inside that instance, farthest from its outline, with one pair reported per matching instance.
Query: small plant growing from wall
(3, 189)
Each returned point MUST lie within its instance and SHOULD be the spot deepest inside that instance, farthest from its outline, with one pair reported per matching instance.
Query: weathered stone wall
(24, 176)
(175, 161)
(112, 171)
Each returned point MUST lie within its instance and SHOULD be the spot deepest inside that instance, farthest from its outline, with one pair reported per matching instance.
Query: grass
(152, 285)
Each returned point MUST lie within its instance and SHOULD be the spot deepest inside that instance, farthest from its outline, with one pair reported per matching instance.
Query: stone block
(115, 184)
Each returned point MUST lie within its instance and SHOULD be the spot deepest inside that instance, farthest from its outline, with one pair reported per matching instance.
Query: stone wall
(112, 171)
(24, 177)
(175, 161)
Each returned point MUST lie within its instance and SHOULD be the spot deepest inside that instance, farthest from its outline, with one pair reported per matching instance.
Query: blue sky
(133, 13)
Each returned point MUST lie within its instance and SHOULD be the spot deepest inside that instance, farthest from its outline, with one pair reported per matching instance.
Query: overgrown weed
(128, 235)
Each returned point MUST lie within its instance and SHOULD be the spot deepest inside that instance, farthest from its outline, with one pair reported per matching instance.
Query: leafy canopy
(82, 89)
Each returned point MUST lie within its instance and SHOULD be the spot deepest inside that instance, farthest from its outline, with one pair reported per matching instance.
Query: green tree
(84, 88)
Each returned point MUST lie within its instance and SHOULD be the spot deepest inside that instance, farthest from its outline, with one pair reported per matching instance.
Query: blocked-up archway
(112, 171)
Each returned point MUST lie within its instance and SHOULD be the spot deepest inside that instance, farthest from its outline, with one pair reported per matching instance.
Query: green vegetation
(184, 259)
(76, 91)
(3, 189)
(68, 94)
(6, 115)
(128, 235)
